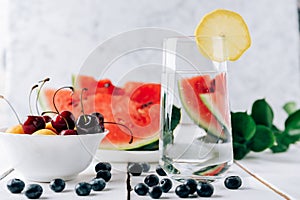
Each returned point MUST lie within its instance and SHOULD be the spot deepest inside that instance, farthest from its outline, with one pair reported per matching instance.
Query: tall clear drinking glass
(195, 140)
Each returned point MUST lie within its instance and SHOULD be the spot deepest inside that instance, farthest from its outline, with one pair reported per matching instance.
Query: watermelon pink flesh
(141, 116)
(190, 91)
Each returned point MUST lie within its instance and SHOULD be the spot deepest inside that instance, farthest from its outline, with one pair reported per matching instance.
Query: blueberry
(98, 184)
(151, 180)
(15, 185)
(83, 189)
(57, 185)
(141, 189)
(182, 191)
(205, 189)
(105, 174)
(233, 182)
(155, 192)
(33, 191)
(103, 166)
(192, 184)
(146, 166)
(135, 169)
(166, 184)
(159, 170)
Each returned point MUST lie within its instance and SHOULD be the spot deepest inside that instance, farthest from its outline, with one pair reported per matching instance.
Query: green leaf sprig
(256, 131)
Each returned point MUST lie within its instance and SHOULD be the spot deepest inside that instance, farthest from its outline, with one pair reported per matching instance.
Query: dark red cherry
(68, 132)
(47, 118)
(63, 120)
(33, 123)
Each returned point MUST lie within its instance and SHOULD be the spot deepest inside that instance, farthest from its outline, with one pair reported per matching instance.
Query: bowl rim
(106, 131)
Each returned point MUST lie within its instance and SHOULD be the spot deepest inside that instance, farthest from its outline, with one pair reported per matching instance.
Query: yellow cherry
(44, 132)
(16, 129)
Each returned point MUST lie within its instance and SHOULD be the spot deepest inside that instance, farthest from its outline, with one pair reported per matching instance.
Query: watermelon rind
(135, 146)
(210, 129)
(207, 100)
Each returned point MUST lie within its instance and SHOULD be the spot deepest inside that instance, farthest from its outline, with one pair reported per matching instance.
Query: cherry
(101, 120)
(47, 118)
(87, 124)
(68, 132)
(99, 116)
(33, 123)
(63, 120)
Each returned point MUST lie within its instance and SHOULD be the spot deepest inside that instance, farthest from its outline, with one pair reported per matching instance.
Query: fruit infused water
(196, 140)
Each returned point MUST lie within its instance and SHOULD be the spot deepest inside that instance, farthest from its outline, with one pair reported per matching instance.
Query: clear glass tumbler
(195, 140)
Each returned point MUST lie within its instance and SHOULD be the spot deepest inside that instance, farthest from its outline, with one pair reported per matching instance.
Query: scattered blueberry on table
(166, 184)
(141, 189)
(182, 191)
(155, 192)
(102, 166)
(205, 189)
(83, 189)
(135, 169)
(57, 185)
(33, 191)
(233, 182)
(98, 184)
(146, 166)
(160, 171)
(151, 180)
(192, 185)
(15, 185)
(105, 174)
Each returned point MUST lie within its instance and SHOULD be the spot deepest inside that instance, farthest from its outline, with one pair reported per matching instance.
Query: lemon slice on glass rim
(230, 27)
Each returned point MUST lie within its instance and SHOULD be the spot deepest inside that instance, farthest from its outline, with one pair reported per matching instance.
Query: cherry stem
(45, 112)
(131, 134)
(53, 99)
(81, 103)
(29, 100)
(38, 94)
(2, 97)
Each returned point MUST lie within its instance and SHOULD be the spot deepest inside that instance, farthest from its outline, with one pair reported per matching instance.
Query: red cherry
(68, 132)
(62, 121)
(47, 118)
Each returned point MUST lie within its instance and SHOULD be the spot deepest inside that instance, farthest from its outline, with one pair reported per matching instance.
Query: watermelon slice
(193, 90)
(217, 101)
(130, 105)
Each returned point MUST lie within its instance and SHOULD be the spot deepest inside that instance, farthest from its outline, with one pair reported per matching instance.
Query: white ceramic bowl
(42, 157)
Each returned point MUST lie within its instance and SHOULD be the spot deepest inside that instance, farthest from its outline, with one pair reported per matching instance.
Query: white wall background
(52, 39)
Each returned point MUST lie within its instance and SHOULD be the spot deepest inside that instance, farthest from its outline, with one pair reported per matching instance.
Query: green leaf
(283, 141)
(168, 129)
(243, 127)
(240, 151)
(175, 119)
(290, 107)
(292, 123)
(262, 113)
(262, 139)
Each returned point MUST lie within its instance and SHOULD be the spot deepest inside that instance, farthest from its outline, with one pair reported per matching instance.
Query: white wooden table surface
(281, 171)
